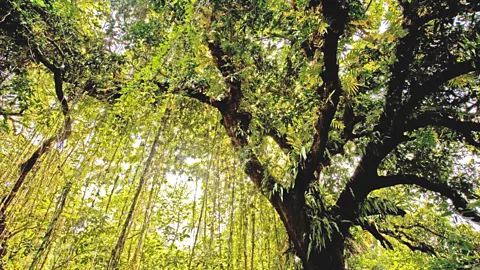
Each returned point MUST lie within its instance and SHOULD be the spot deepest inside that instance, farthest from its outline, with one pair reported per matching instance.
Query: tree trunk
(294, 217)
(331, 257)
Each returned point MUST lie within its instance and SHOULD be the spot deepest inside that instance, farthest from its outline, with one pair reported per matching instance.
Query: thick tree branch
(410, 242)
(236, 124)
(390, 130)
(450, 10)
(63, 134)
(397, 235)
(464, 128)
(418, 225)
(404, 55)
(405, 52)
(433, 84)
(349, 121)
(330, 90)
(225, 65)
(373, 230)
(437, 119)
(358, 188)
(57, 77)
(460, 204)
(470, 140)
(222, 60)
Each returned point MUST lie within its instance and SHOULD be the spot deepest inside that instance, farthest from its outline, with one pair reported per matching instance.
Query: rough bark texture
(331, 258)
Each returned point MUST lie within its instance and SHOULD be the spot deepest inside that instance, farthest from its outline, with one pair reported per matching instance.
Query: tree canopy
(252, 134)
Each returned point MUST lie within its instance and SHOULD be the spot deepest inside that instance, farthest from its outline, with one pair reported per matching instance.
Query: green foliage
(129, 68)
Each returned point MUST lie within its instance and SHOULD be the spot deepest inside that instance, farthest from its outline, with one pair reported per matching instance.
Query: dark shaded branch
(58, 79)
(55, 45)
(40, 58)
(404, 54)
(28, 165)
(222, 60)
(437, 119)
(359, 186)
(418, 225)
(195, 92)
(450, 10)
(464, 128)
(236, 124)
(460, 204)
(63, 134)
(330, 91)
(433, 84)
(415, 23)
(225, 66)
(349, 120)
(410, 242)
(398, 235)
(373, 230)
(450, 72)
(377, 206)
(280, 139)
(424, 248)
(390, 130)
(470, 140)
(191, 91)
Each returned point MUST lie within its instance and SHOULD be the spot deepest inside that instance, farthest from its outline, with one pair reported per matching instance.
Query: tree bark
(298, 225)
(331, 258)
